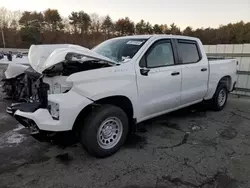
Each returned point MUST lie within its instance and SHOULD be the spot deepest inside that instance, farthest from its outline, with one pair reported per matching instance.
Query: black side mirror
(144, 71)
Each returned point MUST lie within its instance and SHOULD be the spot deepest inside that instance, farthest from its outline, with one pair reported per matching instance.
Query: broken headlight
(54, 110)
(57, 88)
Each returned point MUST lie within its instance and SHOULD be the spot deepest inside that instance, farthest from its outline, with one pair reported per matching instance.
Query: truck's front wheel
(104, 131)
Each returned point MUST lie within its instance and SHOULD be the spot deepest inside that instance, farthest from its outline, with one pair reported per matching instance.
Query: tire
(100, 141)
(218, 102)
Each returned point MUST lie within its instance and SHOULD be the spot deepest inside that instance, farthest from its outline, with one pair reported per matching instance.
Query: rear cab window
(189, 51)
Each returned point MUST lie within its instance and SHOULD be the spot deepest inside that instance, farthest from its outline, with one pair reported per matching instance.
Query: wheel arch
(120, 101)
(227, 80)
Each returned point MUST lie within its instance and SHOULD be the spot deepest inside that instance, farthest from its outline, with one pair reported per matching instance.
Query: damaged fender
(106, 82)
(69, 106)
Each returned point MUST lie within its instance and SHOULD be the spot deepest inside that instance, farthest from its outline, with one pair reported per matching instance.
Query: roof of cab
(158, 36)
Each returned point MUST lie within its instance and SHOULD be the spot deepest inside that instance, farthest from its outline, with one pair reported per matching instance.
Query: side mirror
(144, 71)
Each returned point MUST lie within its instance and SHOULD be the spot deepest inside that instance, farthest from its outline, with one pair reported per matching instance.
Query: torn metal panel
(13, 70)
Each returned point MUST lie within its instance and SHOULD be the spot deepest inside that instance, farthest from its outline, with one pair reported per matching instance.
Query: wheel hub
(109, 133)
(222, 97)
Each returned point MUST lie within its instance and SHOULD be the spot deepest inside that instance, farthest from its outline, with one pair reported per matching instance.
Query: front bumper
(25, 107)
(40, 118)
(70, 105)
(13, 108)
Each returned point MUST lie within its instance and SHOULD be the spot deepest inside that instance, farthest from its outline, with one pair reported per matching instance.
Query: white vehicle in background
(100, 94)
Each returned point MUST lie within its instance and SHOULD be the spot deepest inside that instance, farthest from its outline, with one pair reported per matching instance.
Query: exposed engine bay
(24, 86)
(32, 87)
(70, 67)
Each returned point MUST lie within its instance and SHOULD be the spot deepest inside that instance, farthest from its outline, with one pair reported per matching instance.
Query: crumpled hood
(42, 57)
(14, 69)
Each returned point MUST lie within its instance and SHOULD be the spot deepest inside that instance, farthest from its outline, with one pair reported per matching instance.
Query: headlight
(57, 88)
(54, 110)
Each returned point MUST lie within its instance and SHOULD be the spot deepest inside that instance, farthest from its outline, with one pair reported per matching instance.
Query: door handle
(204, 69)
(144, 71)
(175, 73)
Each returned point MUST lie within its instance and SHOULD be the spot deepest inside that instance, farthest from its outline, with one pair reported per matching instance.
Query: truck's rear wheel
(219, 99)
(104, 131)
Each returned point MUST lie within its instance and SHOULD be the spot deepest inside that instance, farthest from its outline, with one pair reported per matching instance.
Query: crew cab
(102, 93)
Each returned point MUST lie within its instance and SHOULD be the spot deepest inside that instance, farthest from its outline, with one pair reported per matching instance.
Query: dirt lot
(190, 148)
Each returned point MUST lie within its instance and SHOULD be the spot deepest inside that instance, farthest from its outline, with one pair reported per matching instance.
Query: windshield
(119, 50)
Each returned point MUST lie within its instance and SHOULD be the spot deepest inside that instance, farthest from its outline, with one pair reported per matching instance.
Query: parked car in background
(19, 55)
(9, 56)
(1, 55)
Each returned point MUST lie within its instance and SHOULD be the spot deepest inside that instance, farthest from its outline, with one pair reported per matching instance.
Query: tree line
(21, 29)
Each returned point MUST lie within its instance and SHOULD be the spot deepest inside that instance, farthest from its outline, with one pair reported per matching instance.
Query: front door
(159, 80)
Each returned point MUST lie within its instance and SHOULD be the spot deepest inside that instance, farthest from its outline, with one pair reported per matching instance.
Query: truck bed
(217, 67)
(213, 58)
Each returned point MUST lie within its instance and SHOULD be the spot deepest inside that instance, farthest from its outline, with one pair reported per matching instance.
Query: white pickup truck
(100, 94)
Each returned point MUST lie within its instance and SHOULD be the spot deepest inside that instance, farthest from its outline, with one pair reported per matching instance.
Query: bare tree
(3, 17)
(14, 19)
(3, 22)
(67, 26)
(96, 22)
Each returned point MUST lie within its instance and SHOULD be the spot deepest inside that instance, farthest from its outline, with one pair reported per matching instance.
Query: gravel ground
(190, 148)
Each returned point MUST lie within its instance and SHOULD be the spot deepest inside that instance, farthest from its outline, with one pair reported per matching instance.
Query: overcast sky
(196, 13)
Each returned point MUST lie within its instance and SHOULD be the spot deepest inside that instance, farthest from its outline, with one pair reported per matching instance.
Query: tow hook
(33, 129)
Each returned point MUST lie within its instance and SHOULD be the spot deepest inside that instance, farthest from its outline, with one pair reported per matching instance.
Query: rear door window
(188, 51)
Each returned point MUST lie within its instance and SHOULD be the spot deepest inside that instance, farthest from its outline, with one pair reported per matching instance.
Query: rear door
(194, 71)
(158, 80)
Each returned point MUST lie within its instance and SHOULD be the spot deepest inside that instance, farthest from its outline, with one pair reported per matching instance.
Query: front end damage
(31, 92)
(44, 108)
(14, 82)
(38, 98)
(55, 113)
